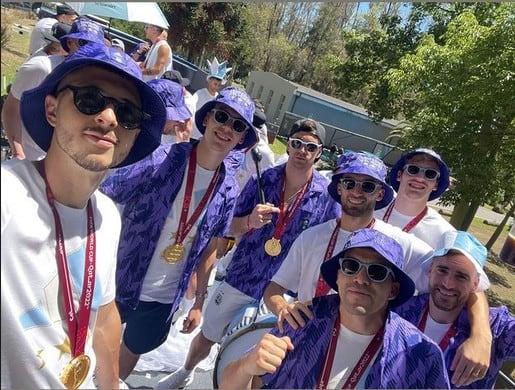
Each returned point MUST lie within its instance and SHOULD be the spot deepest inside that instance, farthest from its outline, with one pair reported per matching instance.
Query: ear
(380, 195)
(394, 291)
(51, 109)
(339, 188)
(206, 119)
(476, 283)
(242, 137)
(399, 174)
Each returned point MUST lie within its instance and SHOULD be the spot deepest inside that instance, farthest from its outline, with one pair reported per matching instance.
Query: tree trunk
(500, 228)
(463, 214)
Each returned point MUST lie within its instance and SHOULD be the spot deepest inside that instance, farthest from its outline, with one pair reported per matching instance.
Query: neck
(408, 206)
(207, 158)
(443, 316)
(71, 184)
(363, 324)
(296, 177)
(350, 223)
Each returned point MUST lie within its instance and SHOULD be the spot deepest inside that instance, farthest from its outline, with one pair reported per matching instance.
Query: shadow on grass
(494, 300)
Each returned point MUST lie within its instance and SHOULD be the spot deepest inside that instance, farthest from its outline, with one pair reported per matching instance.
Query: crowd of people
(130, 190)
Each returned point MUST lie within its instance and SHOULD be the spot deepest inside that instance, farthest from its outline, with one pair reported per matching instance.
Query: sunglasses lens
(413, 169)
(348, 184)
(221, 116)
(89, 101)
(295, 143)
(368, 187)
(431, 174)
(311, 147)
(377, 272)
(239, 126)
(129, 116)
(350, 266)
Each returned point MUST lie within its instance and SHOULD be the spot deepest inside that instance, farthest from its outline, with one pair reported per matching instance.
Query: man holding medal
(354, 339)
(175, 205)
(420, 176)
(296, 198)
(60, 324)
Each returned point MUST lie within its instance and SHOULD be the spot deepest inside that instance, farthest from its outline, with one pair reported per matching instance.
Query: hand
(292, 313)
(16, 149)
(183, 130)
(261, 215)
(471, 361)
(192, 320)
(267, 355)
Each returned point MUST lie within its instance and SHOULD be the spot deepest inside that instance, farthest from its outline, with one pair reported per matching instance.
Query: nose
(107, 117)
(361, 277)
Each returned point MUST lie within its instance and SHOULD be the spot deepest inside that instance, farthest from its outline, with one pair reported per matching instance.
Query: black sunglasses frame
(104, 101)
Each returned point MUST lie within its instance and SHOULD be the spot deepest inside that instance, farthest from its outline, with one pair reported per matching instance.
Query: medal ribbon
(185, 226)
(77, 323)
(411, 224)
(285, 217)
(446, 339)
(361, 365)
(322, 286)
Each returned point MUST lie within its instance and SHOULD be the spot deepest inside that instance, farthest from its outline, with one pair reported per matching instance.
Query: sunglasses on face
(375, 272)
(90, 101)
(296, 143)
(367, 186)
(414, 170)
(221, 117)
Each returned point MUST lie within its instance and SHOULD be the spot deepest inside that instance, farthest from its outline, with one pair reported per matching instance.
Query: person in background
(60, 324)
(175, 205)
(456, 270)
(421, 176)
(139, 53)
(158, 58)
(354, 340)
(31, 74)
(118, 44)
(53, 45)
(64, 14)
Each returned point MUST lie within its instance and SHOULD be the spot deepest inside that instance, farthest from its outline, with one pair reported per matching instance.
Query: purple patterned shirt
(407, 359)
(503, 333)
(251, 269)
(147, 190)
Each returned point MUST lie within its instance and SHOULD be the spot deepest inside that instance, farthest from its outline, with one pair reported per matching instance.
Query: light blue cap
(468, 245)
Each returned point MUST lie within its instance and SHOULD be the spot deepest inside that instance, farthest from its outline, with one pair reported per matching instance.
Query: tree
(458, 95)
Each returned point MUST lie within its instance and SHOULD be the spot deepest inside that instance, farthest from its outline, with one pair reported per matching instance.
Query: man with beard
(455, 272)
(358, 184)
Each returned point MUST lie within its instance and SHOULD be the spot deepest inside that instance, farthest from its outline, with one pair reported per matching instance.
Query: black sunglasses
(90, 101)
(429, 173)
(223, 117)
(367, 186)
(376, 272)
(296, 143)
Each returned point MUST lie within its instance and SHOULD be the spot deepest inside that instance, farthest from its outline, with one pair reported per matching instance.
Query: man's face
(302, 157)
(214, 85)
(96, 142)
(355, 202)
(418, 187)
(67, 19)
(222, 137)
(359, 295)
(452, 278)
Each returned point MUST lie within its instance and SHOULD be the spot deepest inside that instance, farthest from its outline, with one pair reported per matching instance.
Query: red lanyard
(446, 339)
(185, 226)
(361, 365)
(411, 224)
(322, 286)
(285, 216)
(77, 323)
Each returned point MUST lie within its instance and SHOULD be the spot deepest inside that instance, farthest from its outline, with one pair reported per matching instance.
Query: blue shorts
(146, 327)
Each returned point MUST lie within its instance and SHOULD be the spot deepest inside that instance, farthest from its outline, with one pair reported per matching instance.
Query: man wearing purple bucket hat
(354, 340)
(60, 235)
(358, 184)
(175, 204)
(178, 116)
(456, 271)
(419, 176)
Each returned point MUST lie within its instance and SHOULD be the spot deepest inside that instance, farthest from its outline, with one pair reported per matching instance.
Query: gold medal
(173, 253)
(75, 372)
(273, 247)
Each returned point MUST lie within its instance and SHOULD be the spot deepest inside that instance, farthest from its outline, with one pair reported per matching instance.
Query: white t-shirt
(199, 98)
(161, 277)
(35, 346)
(29, 76)
(37, 39)
(300, 269)
(430, 229)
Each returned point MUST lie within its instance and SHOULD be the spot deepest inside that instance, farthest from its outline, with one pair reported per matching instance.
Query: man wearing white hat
(455, 272)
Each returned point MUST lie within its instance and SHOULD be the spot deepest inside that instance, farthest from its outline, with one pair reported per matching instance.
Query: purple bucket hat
(84, 28)
(387, 247)
(173, 98)
(362, 163)
(443, 180)
(239, 101)
(32, 106)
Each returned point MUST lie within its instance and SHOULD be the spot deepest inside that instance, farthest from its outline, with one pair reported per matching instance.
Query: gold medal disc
(273, 247)
(75, 372)
(173, 253)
